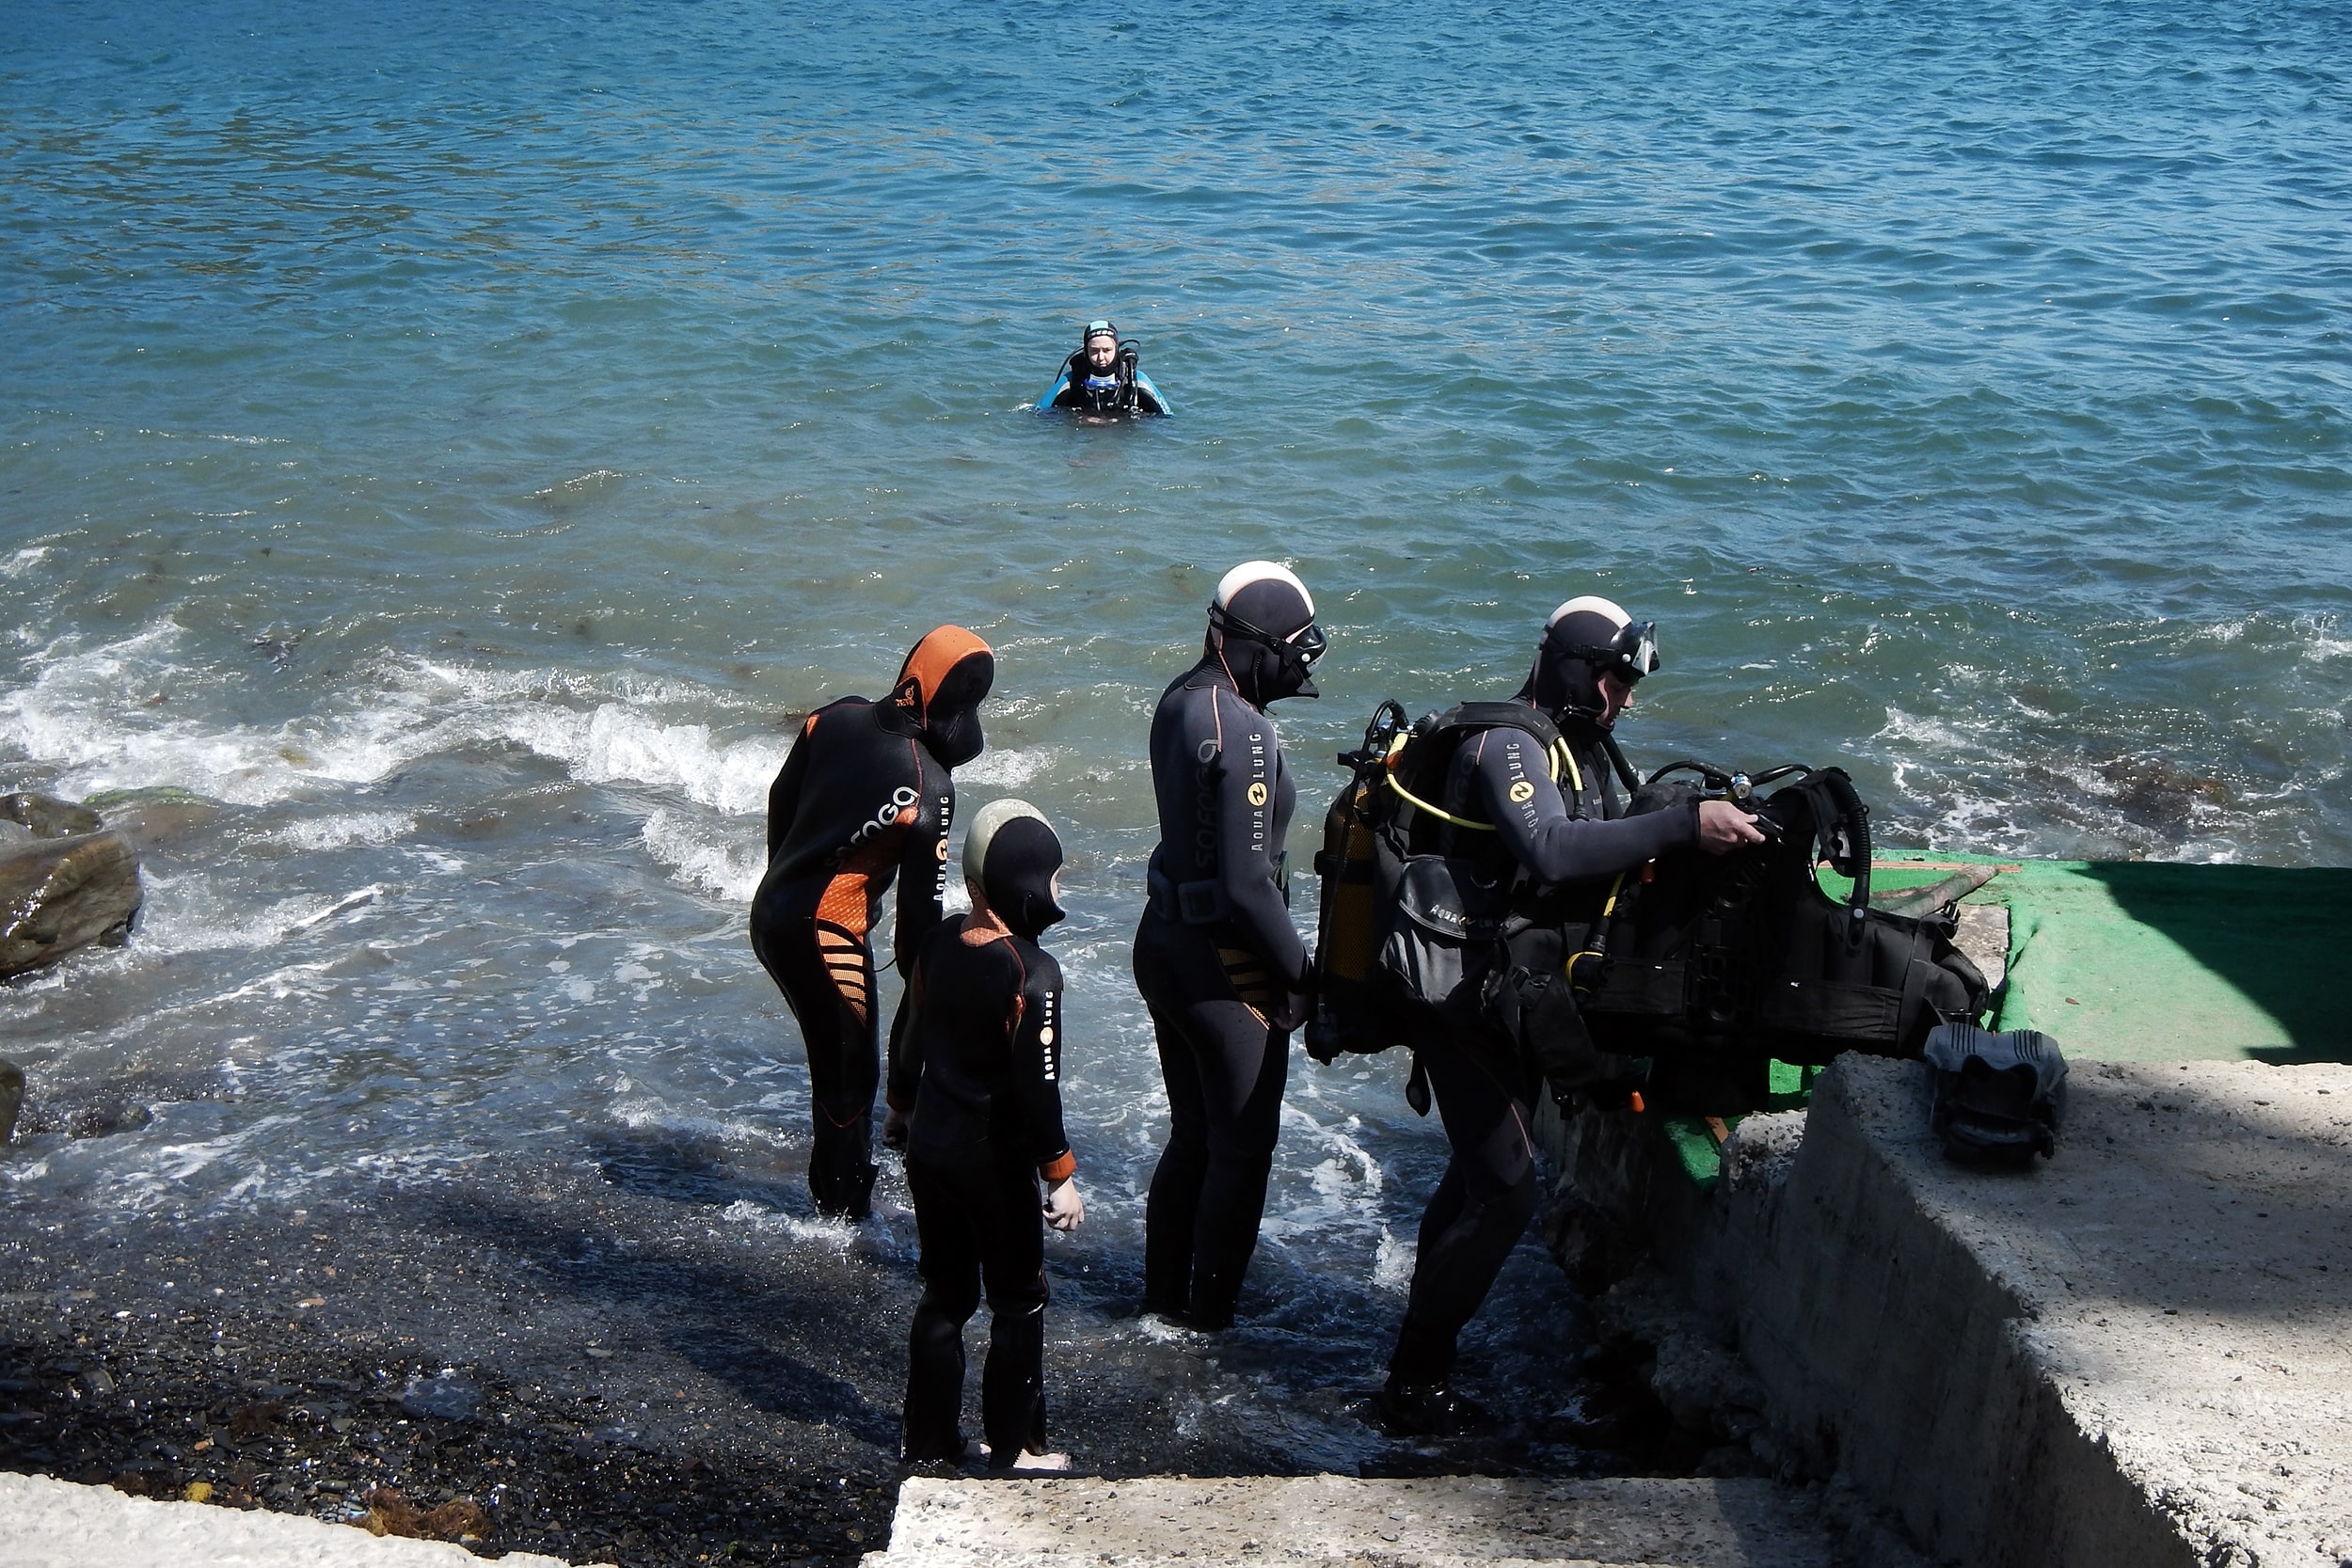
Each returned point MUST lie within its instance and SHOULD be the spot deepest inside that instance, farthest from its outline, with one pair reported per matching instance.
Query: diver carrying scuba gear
(1103, 376)
(1471, 846)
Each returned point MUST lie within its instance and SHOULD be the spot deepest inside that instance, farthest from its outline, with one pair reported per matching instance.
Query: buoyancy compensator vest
(1745, 954)
(1693, 961)
(1111, 391)
(1404, 925)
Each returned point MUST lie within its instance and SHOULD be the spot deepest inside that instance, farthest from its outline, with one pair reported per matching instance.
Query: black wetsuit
(858, 804)
(976, 1070)
(1217, 960)
(1571, 838)
(1092, 391)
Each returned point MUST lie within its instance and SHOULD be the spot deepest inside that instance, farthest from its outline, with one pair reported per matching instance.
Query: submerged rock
(60, 893)
(46, 816)
(153, 815)
(449, 1395)
(11, 1097)
(104, 1118)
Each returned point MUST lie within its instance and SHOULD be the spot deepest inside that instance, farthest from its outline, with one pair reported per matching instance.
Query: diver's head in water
(1261, 627)
(1100, 343)
(1591, 656)
(1012, 866)
(937, 699)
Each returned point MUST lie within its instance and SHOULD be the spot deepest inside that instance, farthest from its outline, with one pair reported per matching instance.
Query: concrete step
(58, 1524)
(1448, 1522)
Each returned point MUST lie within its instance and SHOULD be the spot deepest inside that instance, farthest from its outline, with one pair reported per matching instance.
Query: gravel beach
(590, 1359)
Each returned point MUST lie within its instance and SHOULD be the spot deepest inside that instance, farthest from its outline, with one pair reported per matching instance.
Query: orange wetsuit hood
(938, 695)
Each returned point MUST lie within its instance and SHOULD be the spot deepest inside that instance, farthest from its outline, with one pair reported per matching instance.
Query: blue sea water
(461, 440)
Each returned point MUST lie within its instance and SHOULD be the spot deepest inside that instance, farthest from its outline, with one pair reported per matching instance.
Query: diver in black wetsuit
(864, 798)
(1568, 837)
(1100, 376)
(976, 1102)
(1216, 957)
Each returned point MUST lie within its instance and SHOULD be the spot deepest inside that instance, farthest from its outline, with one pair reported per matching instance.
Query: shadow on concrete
(2279, 935)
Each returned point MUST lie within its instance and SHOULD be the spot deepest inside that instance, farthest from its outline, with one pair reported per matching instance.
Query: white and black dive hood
(1584, 637)
(1263, 623)
(1014, 858)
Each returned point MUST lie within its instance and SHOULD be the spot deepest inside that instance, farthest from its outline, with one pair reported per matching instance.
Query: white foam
(1007, 770)
(654, 1115)
(1343, 1191)
(187, 915)
(2321, 643)
(833, 1235)
(717, 858)
(73, 714)
(24, 560)
(1392, 1263)
(604, 729)
(171, 1166)
(279, 985)
(345, 829)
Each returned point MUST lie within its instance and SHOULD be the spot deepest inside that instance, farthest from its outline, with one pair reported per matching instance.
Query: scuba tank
(1402, 926)
(1356, 883)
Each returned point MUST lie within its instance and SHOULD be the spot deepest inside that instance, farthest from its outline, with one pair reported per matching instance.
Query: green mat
(2142, 960)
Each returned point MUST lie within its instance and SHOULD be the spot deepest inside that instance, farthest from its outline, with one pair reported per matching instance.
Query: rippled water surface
(460, 441)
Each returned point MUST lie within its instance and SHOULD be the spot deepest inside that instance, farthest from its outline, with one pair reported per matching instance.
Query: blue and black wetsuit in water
(1560, 841)
(1118, 387)
(865, 799)
(1216, 959)
(977, 1074)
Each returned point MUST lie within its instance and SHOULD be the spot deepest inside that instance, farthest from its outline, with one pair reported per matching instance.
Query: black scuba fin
(1999, 1098)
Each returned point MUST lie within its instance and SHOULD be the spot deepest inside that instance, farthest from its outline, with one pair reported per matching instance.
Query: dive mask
(1295, 653)
(1305, 644)
(1631, 655)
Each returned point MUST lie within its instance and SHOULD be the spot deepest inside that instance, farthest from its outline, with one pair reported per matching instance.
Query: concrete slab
(2137, 1355)
(56, 1524)
(1433, 1523)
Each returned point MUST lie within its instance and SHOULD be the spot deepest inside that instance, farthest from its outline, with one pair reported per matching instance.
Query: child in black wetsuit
(974, 1101)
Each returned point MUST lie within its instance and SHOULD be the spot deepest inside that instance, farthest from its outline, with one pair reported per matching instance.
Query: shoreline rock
(73, 881)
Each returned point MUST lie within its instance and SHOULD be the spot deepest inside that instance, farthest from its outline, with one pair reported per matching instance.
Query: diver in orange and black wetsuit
(865, 797)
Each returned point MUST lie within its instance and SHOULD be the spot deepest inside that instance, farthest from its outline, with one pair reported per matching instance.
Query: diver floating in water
(1101, 378)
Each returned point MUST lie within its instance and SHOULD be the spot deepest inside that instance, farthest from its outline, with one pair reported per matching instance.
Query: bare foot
(1039, 1461)
(975, 1452)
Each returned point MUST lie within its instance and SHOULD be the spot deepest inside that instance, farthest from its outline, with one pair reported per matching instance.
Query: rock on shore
(69, 881)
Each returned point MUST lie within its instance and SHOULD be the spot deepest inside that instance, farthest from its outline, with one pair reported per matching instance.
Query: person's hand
(1723, 827)
(1064, 1209)
(1294, 1009)
(895, 1130)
